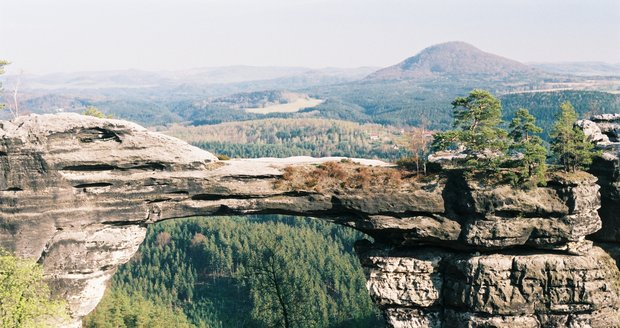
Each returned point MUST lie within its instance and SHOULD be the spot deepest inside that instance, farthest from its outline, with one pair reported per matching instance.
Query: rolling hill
(456, 60)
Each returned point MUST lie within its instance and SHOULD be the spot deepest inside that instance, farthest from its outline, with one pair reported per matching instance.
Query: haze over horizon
(72, 35)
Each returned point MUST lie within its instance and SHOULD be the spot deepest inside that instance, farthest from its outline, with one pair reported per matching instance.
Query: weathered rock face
(432, 287)
(607, 169)
(465, 215)
(77, 193)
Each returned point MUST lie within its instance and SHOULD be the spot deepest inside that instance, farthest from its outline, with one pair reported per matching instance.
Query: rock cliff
(604, 130)
(76, 193)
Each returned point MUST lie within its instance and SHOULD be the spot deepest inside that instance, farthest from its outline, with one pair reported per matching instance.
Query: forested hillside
(545, 106)
(294, 137)
(407, 103)
(280, 137)
(209, 272)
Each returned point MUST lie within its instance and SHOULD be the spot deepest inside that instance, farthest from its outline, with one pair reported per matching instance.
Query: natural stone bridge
(76, 193)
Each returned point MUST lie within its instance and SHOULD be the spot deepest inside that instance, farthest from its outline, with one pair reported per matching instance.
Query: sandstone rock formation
(607, 169)
(77, 193)
(432, 287)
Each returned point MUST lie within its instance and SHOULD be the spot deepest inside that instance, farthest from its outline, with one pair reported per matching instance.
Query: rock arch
(77, 193)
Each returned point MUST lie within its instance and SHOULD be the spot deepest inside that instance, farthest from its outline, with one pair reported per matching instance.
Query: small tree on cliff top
(477, 118)
(418, 142)
(569, 144)
(525, 142)
(13, 106)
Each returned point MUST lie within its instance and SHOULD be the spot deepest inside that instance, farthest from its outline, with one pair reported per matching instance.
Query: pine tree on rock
(477, 118)
(569, 144)
(527, 144)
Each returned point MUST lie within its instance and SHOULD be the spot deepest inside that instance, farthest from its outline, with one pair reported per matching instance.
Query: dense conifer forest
(208, 272)
(295, 137)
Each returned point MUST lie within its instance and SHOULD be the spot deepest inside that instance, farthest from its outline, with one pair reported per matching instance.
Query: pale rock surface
(592, 131)
(609, 124)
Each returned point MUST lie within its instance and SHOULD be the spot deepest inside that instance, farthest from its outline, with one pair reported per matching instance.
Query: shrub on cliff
(2, 64)
(95, 112)
(338, 176)
(24, 296)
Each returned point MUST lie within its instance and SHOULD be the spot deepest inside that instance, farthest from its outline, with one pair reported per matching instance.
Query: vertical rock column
(431, 287)
(521, 260)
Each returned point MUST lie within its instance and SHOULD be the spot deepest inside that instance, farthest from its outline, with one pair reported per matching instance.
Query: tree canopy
(220, 272)
(118, 309)
(24, 296)
(527, 145)
(478, 134)
(569, 144)
(477, 120)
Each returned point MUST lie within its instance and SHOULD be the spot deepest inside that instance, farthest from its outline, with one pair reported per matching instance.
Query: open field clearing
(291, 107)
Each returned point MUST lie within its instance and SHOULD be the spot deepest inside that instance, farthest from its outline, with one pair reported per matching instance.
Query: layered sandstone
(604, 130)
(77, 193)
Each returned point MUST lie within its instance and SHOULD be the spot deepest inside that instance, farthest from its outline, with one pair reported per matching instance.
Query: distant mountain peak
(452, 46)
(454, 59)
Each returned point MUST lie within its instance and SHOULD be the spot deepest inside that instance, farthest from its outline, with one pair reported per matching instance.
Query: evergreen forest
(208, 272)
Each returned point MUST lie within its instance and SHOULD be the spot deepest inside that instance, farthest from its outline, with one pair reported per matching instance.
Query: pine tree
(529, 146)
(477, 118)
(569, 144)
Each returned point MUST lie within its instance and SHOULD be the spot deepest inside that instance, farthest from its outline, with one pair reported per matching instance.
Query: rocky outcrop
(431, 287)
(76, 193)
(606, 168)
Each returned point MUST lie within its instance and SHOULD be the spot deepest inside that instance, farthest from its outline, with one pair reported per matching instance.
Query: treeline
(121, 309)
(388, 103)
(486, 148)
(319, 137)
(294, 137)
(211, 270)
(399, 103)
(545, 106)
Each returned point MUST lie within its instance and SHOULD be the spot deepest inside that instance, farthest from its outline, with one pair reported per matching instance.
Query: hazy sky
(41, 36)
